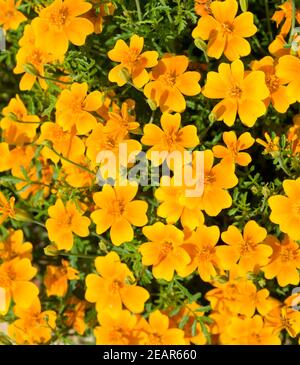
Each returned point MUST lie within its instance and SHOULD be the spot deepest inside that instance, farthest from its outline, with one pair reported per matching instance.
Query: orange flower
(30, 54)
(19, 127)
(114, 286)
(285, 209)
(231, 153)
(176, 204)
(288, 70)
(63, 222)
(170, 81)
(96, 15)
(285, 14)
(76, 176)
(164, 251)
(133, 62)
(278, 92)
(271, 144)
(60, 22)
(10, 17)
(247, 249)
(157, 331)
(5, 162)
(284, 262)
(6, 208)
(249, 331)
(118, 211)
(56, 278)
(171, 138)
(116, 328)
(32, 326)
(75, 315)
(202, 7)
(201, 248)
(65, 143)
(15, 276)
(242, 93)
(217, 179)
(225, 31)
(293, 136)
(13, 246)
(74, 107)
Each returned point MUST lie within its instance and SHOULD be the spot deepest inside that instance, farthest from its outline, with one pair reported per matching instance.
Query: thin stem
(167, 11)
(293, 21)
(138, 8)
(152, 117)
(54, 80)
(92, 257)
(283, 165)
(36, 222)
(72, 162)
(268, 19)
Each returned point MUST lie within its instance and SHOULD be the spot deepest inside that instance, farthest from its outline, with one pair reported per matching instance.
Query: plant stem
(167, 11)
(138, 8)
(293, 21)
(77, 255)
(283, 165)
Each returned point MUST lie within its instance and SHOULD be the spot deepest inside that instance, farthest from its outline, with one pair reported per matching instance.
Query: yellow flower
(97, 14)
(171, 138)
(170, 81)
(74, 107)
(32, 326)
(247, 249)
(232, 152)
(118, 211)
(19, 127)
(114, 286)
(6, 208)
(63, 222)
(157, 331)
(133, 62)
(75, 314)
(284, 262)
(15, 276)
(56, 278)
(288, 70)
(224, 31)
(116, 328)
(60, 22)
(285, 210)
(5, 161)
(201, 248)
(202, 7)
(10, 17)
(285, 14)
(242, 93)
(164, 250)
(13, 246)
(249, 331)
(271, 145)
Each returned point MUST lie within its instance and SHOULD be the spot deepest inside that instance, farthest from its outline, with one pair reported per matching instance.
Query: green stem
(77, 255)
(72, 162)
(138, 8)
(293, 21)
(283, 165)
(167, 11)
(36, 222)
(54, 80)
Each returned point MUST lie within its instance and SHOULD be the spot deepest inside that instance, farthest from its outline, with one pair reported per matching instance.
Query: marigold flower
(6, 208)
(13, 246)
(63, 222)
(242, 93)
(271, 144)
(114, 286)
(74, 107)
(284, 262)
(284, 15)
(278, 92)
(202, 7)
(96, 15)
(285, 209)
(288, 70)
(15, 276)
(247, 249)
(32, 326)
(60, 22)
(217, 179)
(118, 211)
(232, 152)
(133, 62)
(10, 17)
(201, 248)
(75, 314)
(164, 250)
(157, 331)
(224, 31)
(56, 278)
(249, 331)
(76, 176)
(116, 328)
(170, 81)
(170, 138)
(18, 126)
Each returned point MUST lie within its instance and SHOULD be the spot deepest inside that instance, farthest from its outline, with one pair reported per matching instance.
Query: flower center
(131, 58)
(287, 255)
(247, 246)
(118, 208)
(272, 82)
(169, 78)
(155, 339)
(209, 179)
(118, 335)
(205, 254)
(227, 27)
(5, 281)
(235, 92)
(59, 17)
(9, 14)
(165, 249)
(36, 58)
